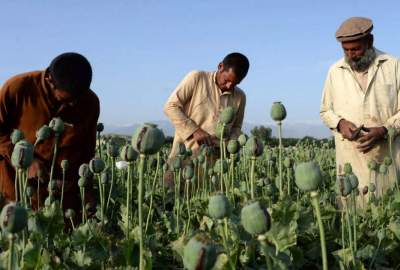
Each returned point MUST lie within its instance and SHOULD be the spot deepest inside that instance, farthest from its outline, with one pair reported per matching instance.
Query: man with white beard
(360, 102)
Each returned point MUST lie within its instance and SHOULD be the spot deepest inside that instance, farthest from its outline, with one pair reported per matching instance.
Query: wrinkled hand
(369, 139)
(348, 129)
(202, 137)
(38, 170)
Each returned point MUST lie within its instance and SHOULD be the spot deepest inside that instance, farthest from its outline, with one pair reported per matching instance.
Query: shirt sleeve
(174, 107)
(394, 121)
(7, 112)
(328, 116)
(237, 124)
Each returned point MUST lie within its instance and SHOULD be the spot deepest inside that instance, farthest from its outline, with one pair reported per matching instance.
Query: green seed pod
(82, 182)
(353, 181)
(214, 179)
(96, 165)
(16, 136)
(64, 165)
(177, 163)
(57, 125)
(217, 166)
(345, 187)
(70, 213)
(148, 139)
(206, 150)
(365, 190)
(242, 139)
(201, 158)
(210, 172)
(99, 127)
(49, 200)
(255, 219)
(128, 153)
(218, 131)
(383, 169)
(84, 171)
(287, 162)
(254, 147)
(347, 168)
(112, 149)
(13, 218)
(199, 253)
(219, 206)
(52, 186)
(227, 115)
(233, 147)
(43, 133)
(188, 172)
(189, 153)
(372, 165)
(22, 155)
(181, 149)
(372, 187)
(278, 111)
(308, 176)
(29, 191)
(387, 161)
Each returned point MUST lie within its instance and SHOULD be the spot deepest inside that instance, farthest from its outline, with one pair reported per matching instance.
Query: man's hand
(202, 137)
(348, 130)
(368, 140)
(38, 170)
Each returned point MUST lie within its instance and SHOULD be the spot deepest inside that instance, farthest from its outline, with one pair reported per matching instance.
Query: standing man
(195, 104)
(30, 100)
(361, 101)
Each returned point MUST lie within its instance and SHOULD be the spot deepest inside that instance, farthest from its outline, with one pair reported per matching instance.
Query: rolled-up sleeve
(7, 109)
(328, 116)
(174, 107)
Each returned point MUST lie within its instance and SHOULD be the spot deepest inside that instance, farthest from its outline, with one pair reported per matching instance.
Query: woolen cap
(354, 28)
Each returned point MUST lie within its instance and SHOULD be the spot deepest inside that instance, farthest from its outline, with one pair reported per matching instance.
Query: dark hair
(71, 72)
(238, 62)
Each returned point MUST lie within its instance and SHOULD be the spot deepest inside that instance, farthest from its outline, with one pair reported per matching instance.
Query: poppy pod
(227, 115)
(218, 164)
(13, 218)
(372, 165)
(96, 165)
(255, 218)
(84, 171)
(128, 153)
(57, 125)
(345, 187)
(383, 169)
(64, 165)
(199, 253)
(308, 176)
(70, 213)
(177, 163)
(99, 127)
(353, 181)
(219, 206)
(347, 168)
(43, 133)
(371, 187)
(387, 161)
(82, 182)
(16, 136)
(242, 139)
(22, 155)
(254, 147)
(112, 149)
(188, 172)
(219, 128)
(148, 139)
(233, 146)
(278, 111)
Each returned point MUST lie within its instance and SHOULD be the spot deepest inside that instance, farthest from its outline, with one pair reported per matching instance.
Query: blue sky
(140, 50)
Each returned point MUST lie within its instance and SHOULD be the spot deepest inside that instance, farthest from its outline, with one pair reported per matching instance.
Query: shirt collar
(380, 58)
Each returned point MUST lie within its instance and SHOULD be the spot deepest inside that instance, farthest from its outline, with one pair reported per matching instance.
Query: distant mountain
(290, 130)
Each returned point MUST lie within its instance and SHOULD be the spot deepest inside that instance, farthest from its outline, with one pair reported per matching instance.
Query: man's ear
(220, 66)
